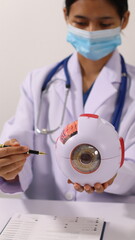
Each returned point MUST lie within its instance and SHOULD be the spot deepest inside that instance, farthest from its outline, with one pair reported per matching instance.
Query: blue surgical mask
(94, 45)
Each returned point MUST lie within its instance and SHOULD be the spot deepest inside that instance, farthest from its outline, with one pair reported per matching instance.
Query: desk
(120, 217)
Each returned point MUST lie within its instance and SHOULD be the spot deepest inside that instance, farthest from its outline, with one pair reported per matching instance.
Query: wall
(32, 34)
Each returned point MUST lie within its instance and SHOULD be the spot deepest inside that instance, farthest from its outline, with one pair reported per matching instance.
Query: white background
(32, 34)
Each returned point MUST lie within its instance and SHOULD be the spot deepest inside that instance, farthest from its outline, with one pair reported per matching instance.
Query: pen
(29, 152)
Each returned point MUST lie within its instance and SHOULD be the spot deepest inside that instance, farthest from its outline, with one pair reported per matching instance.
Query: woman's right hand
(12, 159)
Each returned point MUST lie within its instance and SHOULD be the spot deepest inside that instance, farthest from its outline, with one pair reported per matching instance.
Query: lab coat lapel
(74, 103)
(104, 86)
(103, 89)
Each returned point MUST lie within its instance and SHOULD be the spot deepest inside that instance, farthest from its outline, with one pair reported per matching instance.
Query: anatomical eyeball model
(89, 150)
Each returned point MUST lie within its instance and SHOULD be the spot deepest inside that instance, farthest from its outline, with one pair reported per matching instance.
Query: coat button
(69, 195)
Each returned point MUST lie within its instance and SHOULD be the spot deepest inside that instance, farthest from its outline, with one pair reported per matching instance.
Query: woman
(94, 29)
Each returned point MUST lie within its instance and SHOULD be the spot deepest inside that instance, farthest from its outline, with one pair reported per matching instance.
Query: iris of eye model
(85, 158)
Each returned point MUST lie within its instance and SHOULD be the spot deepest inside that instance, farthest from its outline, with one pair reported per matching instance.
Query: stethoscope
(116, 117)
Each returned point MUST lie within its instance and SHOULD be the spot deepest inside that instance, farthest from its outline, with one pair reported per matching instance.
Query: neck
(90, 67)
(90, 70)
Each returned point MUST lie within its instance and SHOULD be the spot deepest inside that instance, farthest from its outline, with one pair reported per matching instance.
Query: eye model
(85, 158)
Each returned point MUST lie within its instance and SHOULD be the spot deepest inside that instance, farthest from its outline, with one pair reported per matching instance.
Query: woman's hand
(98, 187)
(12, 159)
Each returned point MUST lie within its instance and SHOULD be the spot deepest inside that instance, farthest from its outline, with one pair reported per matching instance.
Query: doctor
(86, 82)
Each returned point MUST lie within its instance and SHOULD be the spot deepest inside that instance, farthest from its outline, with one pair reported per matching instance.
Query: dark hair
(120, 5)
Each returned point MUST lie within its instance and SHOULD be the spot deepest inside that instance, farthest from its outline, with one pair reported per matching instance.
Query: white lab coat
(41, 177)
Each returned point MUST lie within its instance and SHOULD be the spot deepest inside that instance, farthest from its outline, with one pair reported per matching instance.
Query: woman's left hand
(98, 187)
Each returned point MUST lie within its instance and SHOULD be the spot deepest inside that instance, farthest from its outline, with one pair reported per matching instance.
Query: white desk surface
(120, 217)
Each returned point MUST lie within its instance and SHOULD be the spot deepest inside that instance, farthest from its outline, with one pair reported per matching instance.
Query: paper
(47, 227)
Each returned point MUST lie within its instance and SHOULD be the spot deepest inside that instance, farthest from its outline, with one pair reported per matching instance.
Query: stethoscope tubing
(121, 97)
(116, 117)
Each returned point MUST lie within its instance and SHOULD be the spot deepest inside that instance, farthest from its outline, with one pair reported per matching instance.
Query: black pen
(29, 152)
